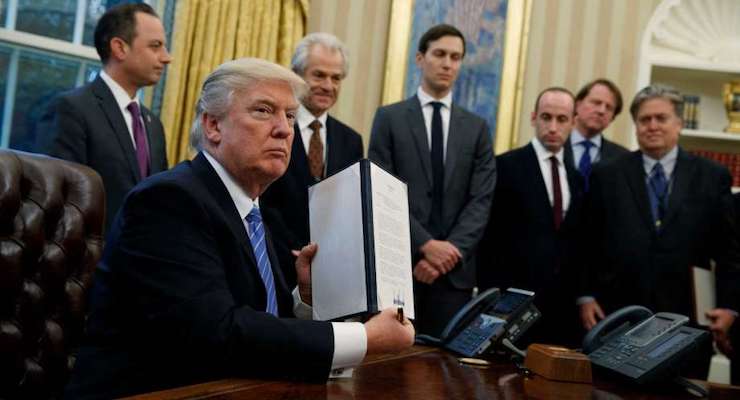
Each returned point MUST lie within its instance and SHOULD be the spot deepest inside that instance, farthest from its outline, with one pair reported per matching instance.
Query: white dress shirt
(428, 110)
(543, 157)
(350, 338)
(123, 100)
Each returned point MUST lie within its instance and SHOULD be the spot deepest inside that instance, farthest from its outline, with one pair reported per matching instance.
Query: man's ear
(419, 57)
(532, 118)
(118, 48)
(211, 128)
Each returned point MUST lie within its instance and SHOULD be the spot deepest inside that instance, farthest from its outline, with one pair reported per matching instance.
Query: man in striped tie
(189, 289)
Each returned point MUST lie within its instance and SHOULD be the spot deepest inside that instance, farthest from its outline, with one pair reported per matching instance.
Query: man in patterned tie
(323, 145)
(597, 104)
(102, 124)
(189, 288)
(652, 215)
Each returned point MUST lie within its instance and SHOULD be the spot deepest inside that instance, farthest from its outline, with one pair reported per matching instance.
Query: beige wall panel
(363, 26)
(574, 41)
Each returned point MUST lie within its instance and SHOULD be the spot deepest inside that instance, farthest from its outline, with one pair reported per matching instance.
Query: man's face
(553, 120)
(658, 127)
(440, 65)
(324, 73)
(147, 55)
(596, 111)
(254, 139)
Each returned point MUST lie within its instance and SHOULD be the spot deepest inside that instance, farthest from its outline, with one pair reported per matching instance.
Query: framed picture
(489, 81)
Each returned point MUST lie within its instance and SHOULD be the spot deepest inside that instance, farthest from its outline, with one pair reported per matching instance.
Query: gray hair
(300, 58)
(657, 92)
(235, 76)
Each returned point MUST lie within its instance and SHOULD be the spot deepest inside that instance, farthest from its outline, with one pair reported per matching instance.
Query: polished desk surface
(427, 373)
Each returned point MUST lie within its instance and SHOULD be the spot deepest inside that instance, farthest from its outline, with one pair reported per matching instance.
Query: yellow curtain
(209, 32)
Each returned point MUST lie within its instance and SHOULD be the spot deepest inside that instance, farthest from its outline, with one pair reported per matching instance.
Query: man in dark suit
(102, 124)
(534, 214)
(322, 146)
(444, 154)
(652, 215)
(189, 289)
(597, 104)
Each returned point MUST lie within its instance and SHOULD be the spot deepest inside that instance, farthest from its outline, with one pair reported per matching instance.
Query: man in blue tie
(597, 104)
(189, 288)
(652, 215)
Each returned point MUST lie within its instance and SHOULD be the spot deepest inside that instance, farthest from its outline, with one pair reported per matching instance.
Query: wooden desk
(428, 374)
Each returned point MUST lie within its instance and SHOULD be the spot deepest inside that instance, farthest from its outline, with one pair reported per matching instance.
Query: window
(46, 47)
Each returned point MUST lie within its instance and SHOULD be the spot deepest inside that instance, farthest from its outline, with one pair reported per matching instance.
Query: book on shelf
(729, 160)
(691, 111)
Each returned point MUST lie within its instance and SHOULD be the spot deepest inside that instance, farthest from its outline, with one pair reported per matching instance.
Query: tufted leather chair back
(51, 224)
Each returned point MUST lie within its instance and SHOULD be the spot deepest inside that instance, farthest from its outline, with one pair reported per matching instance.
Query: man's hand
(442, 255)
(303, 270)
(425, 273)
(722, 319)
(385, 334)
(589, 313)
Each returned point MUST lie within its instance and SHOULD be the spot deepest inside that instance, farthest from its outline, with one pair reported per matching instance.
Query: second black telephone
(640, 345)
(487, 319)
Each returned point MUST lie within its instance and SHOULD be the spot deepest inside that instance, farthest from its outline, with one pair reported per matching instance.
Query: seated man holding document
(189, 288)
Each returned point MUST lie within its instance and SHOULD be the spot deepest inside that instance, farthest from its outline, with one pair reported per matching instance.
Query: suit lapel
(533, 173)
(455, 136)
(333, 147)
(635, 174)
(419, 132)
(110, 108)
(682, 174)
(299, 159)
(568, 154)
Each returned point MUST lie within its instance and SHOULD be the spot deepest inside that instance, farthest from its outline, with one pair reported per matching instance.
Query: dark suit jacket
(399, 144)
(178, 298)
(284, 204)
(86, 126)
(629, 262)
(521, 247)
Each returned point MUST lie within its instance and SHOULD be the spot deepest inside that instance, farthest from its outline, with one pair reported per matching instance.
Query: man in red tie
(323, 145)
(532, 217)
(102, 124)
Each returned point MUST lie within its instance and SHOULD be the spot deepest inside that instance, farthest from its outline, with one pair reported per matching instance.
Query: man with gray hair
(322, 146)
(651, 216)
(189, 288)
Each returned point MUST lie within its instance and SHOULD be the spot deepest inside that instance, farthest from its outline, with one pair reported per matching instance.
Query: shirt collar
(241, 199)
(668, 161)
(576, 138)
(119, 93)
(425, 98)
(543, 153)
(304, 117)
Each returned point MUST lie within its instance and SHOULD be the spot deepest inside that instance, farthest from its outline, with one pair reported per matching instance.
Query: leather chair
(51, 224)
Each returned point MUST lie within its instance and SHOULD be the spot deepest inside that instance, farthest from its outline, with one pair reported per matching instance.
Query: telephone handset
(487, 319)
(640, 345)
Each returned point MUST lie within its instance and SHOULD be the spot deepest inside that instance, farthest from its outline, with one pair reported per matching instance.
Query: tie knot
(554, 160)
(436, 104)
(315, 125)
(658, 169)
(587, 144)
(254, 216)
(133, 108)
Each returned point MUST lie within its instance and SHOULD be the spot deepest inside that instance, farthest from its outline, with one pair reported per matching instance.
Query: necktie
(316, 151)
(438, 172)
(257, 239)
(142, 145)
(557, 195)
(658, 192)
(584, 165)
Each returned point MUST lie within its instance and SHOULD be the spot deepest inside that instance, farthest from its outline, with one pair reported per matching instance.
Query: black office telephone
(640, 345)
(486, 320)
